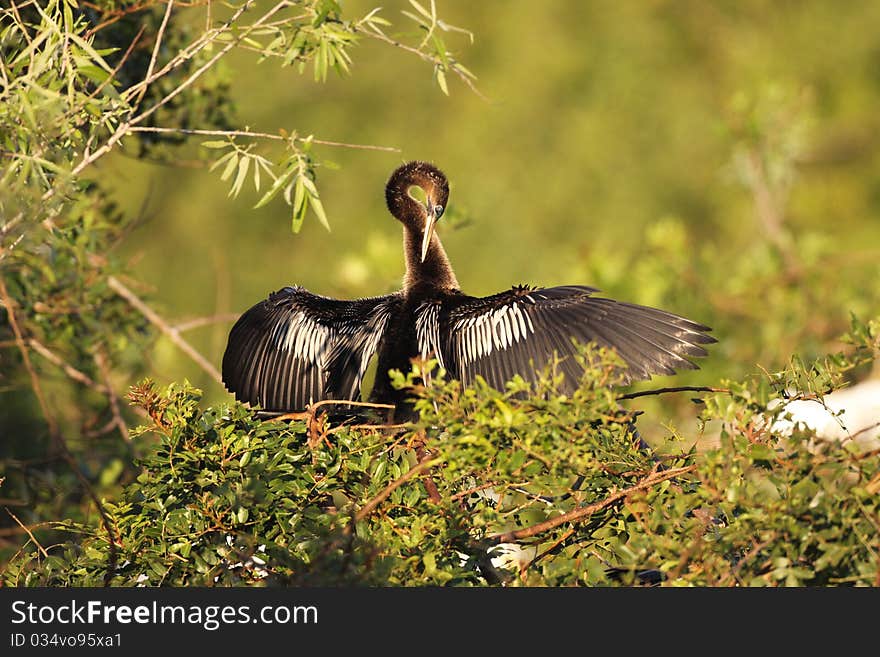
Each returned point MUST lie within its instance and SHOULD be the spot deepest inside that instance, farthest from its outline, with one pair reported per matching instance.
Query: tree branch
(417, 469)
(66, 367)
(586, 511)
(426, 57)
(101, 361)
(28, 532)
(205, 321)
(155, 53)
(259, 135)
(207, 65)
(660, 391)
(173, 334)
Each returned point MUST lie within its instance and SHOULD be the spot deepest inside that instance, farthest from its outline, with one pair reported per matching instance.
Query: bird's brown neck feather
(435, 272)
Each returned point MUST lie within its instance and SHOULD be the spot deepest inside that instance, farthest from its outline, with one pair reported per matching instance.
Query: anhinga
(296, 348)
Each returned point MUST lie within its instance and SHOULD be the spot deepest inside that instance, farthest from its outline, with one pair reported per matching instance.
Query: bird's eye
(438, 211)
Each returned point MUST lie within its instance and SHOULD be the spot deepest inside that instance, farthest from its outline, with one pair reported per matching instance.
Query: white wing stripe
(495, 330)
(428, 331)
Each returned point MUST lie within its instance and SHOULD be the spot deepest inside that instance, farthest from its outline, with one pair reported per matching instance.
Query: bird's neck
(435, 272)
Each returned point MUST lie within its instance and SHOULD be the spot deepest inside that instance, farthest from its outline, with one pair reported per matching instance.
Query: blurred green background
(717, 159)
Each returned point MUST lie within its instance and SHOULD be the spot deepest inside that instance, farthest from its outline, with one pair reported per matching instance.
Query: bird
(295, 347)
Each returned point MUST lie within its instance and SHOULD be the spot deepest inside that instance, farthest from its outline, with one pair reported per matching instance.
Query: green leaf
(424, 12)
(299, 194)
(309, 185)
(441, 80)
(240, 177)
(298, 217)
(318, 208)
(230, 166)
(276, 187)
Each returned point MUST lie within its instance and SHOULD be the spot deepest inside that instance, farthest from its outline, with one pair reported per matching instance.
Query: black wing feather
(296, 348)
(519, 331)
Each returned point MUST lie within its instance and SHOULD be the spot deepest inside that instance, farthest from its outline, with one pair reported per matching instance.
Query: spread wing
(518, 332)
(295, 348)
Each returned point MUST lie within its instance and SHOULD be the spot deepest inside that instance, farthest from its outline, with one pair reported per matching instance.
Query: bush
(227, 498)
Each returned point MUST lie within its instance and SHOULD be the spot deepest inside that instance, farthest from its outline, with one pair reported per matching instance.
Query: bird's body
(296, 348)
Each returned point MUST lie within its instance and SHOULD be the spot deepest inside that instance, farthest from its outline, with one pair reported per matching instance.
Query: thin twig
(361, 427)
(205, 321)
(189, 51)
(103, 431)
(471, 491)
(28, 532)
(422, 454)
(101, 361)
(426, 57)
(24, 31)
(559, 541)
(159, 35)
(5, 251)
(122, 13)
(173, 334)
(342, 144)
(660, 391)
(119, 66)
(207, 65)
(259, 135)
(586, 511)
(310, 410)
(733, 575)
(863, 430)
(416, 470)
(66, 367)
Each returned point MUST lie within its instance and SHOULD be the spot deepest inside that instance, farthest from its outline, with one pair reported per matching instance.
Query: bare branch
(187, 53)
(159, 35)
(173, 334)
(660, 391)
(205, 321)
(101, 361)
(260, 135)
(210, 63)
(66, 367)
(28, 532)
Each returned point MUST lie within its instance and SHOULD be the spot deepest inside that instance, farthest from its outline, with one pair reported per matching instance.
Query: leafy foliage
(226, 498)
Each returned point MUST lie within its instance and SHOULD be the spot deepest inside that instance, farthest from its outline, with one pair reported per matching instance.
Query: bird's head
(413, 213)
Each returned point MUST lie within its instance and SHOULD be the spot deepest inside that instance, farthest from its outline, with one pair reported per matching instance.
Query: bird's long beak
(430, 220)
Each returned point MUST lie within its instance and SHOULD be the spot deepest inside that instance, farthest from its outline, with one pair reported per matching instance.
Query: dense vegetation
(716, 160)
